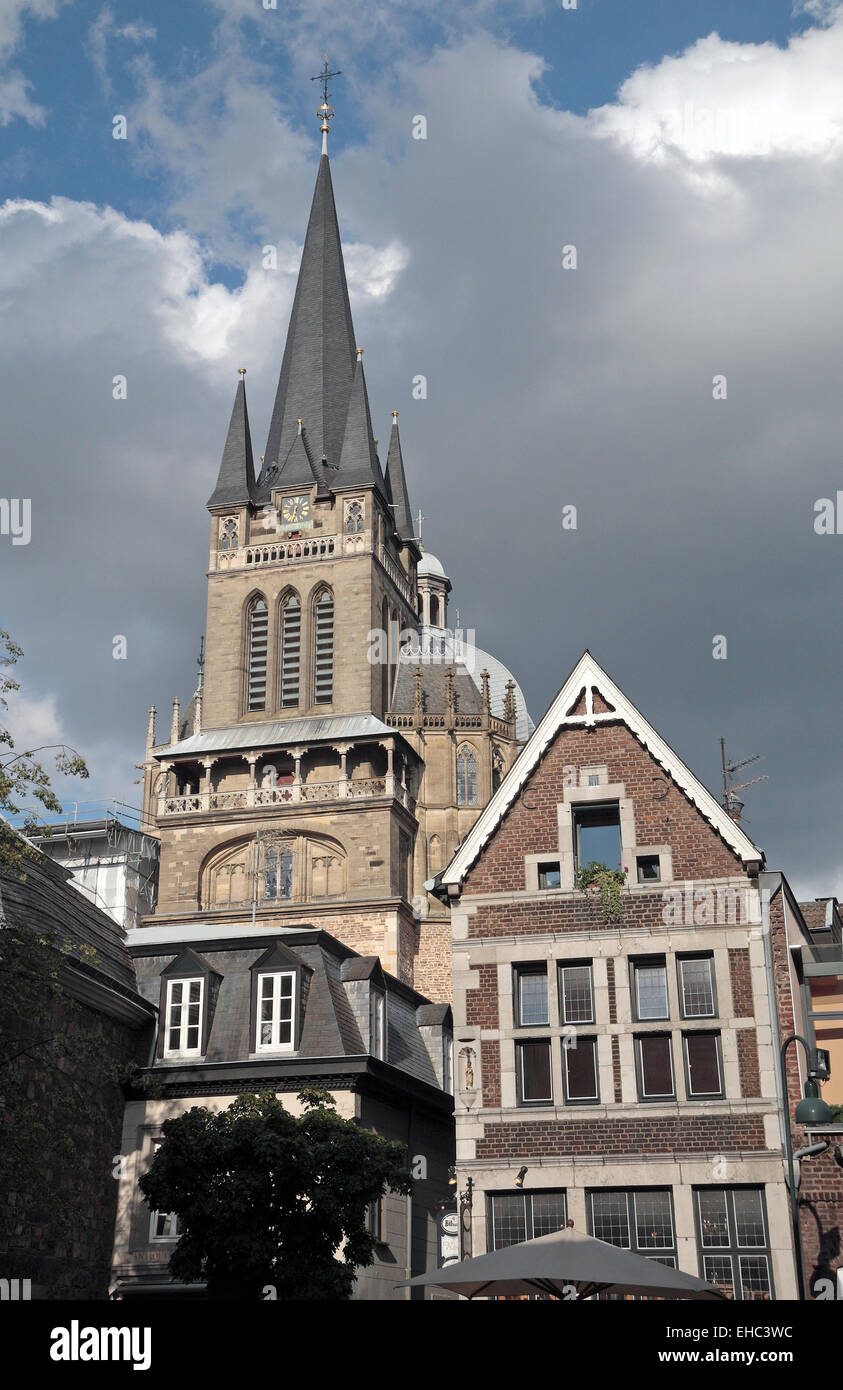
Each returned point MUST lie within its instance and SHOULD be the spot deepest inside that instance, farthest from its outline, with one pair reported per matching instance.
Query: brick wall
(748, 1067)
(432, 966)
(481, 1003)
(490, 1059)
(739, 972)
(656, 1135)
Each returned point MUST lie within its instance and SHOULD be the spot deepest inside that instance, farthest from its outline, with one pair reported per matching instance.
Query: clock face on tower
(295, 511)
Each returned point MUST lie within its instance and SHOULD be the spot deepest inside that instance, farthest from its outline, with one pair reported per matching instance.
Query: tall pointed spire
(236, 480)
(397, 484)
(318, 364)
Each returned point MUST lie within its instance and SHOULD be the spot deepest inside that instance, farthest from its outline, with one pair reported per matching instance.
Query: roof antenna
(731, 801)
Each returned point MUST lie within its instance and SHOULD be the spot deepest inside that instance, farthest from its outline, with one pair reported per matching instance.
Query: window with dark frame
(576, 992)
(531, 996)
(533, 1073)
(638, 1219)
(703, 1064)
(654, 1065)
(696, 986)
(649, 989)
(377, 1023)
(579, 1070)
(550, 875)
(597, 835)
(649, 868)
(733, 1242)
(519, 1216)
(183, 1036)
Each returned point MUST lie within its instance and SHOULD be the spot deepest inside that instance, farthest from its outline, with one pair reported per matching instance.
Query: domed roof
(447, 648)
(428, 564)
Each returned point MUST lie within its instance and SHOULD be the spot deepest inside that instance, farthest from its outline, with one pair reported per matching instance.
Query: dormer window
(276, 1011)
(279, 995)
(189, 990)
(184, 1018)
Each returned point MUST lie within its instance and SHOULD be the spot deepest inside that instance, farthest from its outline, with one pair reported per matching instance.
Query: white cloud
(721, 99)
(33, 722)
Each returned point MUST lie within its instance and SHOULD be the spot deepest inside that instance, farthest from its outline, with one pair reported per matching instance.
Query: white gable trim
(589, 675)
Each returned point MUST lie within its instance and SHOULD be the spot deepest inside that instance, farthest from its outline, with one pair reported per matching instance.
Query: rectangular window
(550, 875)
(576, 993)
(533, 1073)
(649, 989)
(703, 1070)
(531, 995)
(649, 868)
(640, 1220)
(163, 1225)
(597, 835)
(377, 1023)
(655, 1067)
(519, 1216)
(375, 1220)
(276, 998)
(731, 1221)
(448, 1063)
(696, 986)
(579, 1070)
(184, 1018)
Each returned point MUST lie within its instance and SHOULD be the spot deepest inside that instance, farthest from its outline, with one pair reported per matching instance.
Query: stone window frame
(606, 793)
(155, 1141)
(695, 1096)
(664, 853)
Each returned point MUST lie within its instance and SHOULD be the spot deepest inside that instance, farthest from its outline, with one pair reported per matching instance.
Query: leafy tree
(21, 774)
(267, 1198)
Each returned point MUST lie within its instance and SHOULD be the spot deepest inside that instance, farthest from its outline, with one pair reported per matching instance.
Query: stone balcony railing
(344, 789)
(444, 721)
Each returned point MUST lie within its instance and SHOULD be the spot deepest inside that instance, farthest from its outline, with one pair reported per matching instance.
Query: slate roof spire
(236, 480)
(318, 364)
(397, 484)
(358, 462)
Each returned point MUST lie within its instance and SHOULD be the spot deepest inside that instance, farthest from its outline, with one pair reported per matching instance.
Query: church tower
(293, 791)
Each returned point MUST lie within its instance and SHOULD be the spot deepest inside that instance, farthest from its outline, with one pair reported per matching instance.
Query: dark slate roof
(466, 694)
(361, 968)
(359, 465)
(47, 901)
(397, 486)
(236, 481)
(318, 363)
(299, 468)
(434, 1015)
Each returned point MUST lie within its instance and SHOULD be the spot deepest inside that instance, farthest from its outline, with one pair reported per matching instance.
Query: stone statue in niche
(467, 1059)
(270, 776)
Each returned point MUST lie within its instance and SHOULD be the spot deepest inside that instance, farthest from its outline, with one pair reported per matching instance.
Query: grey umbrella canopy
(565, 1264)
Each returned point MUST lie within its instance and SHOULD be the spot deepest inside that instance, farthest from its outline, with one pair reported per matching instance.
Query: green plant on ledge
(609, 881)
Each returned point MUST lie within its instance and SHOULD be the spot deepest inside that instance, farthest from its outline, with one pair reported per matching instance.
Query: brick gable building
(617, 1041)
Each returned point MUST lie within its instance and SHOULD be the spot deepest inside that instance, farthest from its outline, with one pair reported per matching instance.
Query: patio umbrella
(562, 1262)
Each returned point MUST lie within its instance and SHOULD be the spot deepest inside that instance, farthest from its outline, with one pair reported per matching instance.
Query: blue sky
(692, 151)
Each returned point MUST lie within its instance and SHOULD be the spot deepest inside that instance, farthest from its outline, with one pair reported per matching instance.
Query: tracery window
(354, 517)
(278, 873)
(229, 533)
(466, 777)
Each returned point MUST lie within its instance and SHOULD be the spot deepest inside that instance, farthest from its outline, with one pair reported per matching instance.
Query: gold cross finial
(326, 111)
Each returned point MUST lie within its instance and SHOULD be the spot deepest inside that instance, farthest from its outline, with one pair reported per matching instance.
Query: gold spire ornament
(325, 113)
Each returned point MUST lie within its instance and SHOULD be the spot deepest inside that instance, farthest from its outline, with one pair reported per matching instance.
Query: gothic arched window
(466, 777)
(354, 517)
(258, 633)
(278, 873)
(228, 533)
(290, 651)
(323, 663)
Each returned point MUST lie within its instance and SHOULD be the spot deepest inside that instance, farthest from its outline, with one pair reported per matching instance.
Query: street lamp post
(811, 1110)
